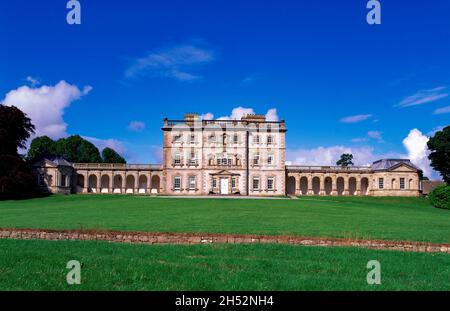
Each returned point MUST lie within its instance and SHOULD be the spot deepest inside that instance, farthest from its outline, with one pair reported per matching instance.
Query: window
(270, 183)
(41, 180)
(235, 139)
(63, 180)
(177, 183)
(177, 160)
(256, 139)
(193, 159)
(402, 183)
(270, 140)
(233, 182)
(380, 183)
(214, 183)
(212, 138)
(256, 159)
(270, 159)
(177, 138)
(192, 139)
(192, 183)
(255, 183)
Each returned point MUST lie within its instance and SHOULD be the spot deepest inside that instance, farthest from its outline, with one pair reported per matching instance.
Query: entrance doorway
(224, 189)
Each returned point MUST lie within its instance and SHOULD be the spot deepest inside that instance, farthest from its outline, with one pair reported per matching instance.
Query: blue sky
(340, 83)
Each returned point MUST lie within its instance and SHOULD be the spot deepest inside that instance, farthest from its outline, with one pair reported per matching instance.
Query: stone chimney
(191, 118)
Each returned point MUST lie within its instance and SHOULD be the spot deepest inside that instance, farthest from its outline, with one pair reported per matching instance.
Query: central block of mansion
(228, 157)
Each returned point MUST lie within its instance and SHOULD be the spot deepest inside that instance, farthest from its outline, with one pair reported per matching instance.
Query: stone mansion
(227, 157)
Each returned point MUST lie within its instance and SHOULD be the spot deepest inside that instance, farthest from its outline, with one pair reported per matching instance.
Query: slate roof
(387, 164)
(56, 160)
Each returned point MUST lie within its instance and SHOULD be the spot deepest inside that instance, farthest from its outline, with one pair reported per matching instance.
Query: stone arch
(80, 182)
(316, 185)
(352, 186)
(129, 184)
(291, 185)
(304, 185)
(142, 184)
(328, 185)
(92, 183)
(104, 183)
(411, 184)
(117, 183)
(340, 186)
(155, 183)
(365, 186)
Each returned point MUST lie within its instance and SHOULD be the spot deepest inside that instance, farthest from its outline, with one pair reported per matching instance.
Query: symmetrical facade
(228, 157)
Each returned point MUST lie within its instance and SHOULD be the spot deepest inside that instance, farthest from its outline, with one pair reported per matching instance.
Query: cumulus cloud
(442, 110)
(174, 62)
(33, 81)
(101, 144)
(424, 97)
(415, 144)
(355, 118)
(45, 105)
(239, 112)
(136, 126)
(207, 116)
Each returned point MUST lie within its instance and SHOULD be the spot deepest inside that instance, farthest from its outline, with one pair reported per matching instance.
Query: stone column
(86, 182)
(149, 182)
(124, 182)
(111, 182)
(98, 187)
(346, 186)
(298, 190)
(358, 186)
(136, 183)
(334, 185)
(310, 187)
(322, 186)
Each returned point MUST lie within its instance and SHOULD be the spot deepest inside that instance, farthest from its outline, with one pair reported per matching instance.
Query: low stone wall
(193, 238)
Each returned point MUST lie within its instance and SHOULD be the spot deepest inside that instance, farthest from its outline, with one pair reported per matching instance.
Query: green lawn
(33, 265)
(355, 217)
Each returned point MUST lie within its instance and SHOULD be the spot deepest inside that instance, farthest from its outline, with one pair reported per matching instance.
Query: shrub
(440, 197)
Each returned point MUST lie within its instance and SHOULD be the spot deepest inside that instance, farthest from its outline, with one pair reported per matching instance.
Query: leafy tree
(15, 129)
(76, 149)
(111, 156)
(16, 177)
(345, 160)
(41, 146)
(439, 146)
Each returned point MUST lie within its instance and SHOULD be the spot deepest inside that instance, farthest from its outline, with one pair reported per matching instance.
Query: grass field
(31, 265)
(355, 217)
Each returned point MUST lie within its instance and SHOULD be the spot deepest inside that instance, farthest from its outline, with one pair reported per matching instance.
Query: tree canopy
(15, 129)
(439, 146)
(16, 177)
(111, 156)
(74, 148)
(345, 160)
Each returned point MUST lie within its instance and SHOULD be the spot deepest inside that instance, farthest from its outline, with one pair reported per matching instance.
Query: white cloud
(207, 116)
(375, 135)
(356, 118)
(33, 81)
(239, 112)
(173, 62)
(442, 110)
(101, 144)
(415, 144)
(423, 97)
(329, 155)
(45, 105)
(136, 126)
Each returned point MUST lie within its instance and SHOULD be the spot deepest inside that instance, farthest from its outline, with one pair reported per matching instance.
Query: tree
(16, 177)
(15, 129)
(111, 156)
(439, 146)
(76, 149)
(40, 147)
(345, 160)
